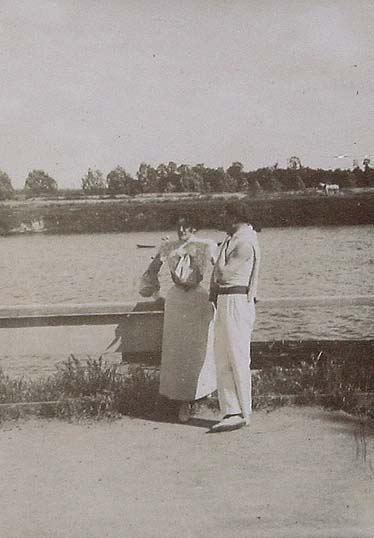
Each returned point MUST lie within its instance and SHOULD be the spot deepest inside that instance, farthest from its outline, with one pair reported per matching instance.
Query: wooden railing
(139, 326)
(113, 313)
(77, 314)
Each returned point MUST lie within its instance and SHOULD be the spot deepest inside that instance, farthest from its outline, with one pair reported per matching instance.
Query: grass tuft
(91, 388)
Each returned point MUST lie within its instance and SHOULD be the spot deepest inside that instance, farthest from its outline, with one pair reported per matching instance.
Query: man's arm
(213, 276)
(253, 283)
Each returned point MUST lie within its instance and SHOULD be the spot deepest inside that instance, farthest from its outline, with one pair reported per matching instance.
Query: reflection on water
(295, 262)
(105, 267)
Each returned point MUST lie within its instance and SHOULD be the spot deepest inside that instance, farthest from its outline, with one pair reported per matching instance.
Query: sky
(101, 83)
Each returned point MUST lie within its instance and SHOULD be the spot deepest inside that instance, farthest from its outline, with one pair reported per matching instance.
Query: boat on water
(145, 246)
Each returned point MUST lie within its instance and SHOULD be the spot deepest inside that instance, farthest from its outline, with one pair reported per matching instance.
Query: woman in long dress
(187, 362)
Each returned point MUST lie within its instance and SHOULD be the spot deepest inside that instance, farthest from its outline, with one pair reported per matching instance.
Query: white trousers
(234, 322)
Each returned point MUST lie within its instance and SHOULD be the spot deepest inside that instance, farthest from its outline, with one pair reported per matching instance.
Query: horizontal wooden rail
(77, 314)
(318, 300)
(113, 313)
(139, 327)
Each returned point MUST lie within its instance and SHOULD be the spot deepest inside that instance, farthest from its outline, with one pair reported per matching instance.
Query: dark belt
(232, 290)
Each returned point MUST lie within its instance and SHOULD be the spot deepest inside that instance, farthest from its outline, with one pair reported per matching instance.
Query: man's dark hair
(237, 212)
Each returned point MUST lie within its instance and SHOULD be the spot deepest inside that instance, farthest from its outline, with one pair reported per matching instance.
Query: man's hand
(213, 301)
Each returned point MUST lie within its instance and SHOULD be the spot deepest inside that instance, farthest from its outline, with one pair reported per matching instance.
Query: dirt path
(295, 472)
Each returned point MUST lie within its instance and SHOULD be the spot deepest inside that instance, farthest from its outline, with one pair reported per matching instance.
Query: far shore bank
(159, 212)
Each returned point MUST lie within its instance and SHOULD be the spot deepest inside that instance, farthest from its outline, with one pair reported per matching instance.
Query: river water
(106, 267)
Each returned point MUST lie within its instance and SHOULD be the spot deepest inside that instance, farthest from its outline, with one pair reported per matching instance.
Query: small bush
(328, 381)
(86, 389)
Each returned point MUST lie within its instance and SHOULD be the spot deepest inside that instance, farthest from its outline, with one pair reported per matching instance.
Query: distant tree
(185, 177)
(93, 182)
(358, 174)
(163, 183)
(310, 177)
(39, 182)
(162, 171)
(231, 184)
(200, 169)
(171, 167)
(255, 187)
(172, 179)
(347, 181)
(366, 164)
(217, 180)
(253, 184)
(190, 180)
(268, 179)
(368, 171)
(344, 178)
(272, 183)
(120, 182)
(199, 175)
(164, 178)
(294, 163)
(169, 187)
(147, 178)
(6, 189)
(235, 171)
(290, 179)
(141, 174)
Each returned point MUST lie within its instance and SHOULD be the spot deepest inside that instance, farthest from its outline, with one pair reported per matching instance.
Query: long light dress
(187, 362)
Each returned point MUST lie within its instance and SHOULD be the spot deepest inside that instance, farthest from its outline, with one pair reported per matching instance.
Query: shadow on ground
(343, 422)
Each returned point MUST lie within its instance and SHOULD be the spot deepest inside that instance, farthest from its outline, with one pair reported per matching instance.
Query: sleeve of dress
(166, 248)
(149, 281)
(213, 252)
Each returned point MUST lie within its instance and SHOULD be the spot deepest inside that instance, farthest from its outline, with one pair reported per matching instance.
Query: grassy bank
(97, 390)
(161, 212)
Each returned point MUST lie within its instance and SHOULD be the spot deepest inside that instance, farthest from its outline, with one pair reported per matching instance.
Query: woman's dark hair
(187, 221)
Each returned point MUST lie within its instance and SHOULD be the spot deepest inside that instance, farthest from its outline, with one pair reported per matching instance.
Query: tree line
(168, 178)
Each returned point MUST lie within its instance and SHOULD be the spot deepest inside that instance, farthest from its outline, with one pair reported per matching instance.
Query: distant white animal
(328, 188)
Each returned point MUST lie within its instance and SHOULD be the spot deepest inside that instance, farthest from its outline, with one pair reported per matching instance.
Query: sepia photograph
(187, 269)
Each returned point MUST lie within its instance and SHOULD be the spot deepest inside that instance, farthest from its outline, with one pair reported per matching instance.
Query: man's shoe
(229, 424)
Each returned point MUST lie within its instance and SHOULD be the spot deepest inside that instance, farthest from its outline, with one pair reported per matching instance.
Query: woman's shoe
(185, 412)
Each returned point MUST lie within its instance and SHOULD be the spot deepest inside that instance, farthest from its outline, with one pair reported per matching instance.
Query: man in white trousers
(233, 291)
